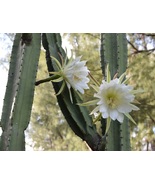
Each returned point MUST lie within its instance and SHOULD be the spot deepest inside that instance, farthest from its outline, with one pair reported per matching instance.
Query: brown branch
(151, 117)
(43, 81)
(147, 145)
(148, 51)
(132, 45)
(148, 34)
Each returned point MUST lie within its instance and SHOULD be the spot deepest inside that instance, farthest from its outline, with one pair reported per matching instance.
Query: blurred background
(48, 130)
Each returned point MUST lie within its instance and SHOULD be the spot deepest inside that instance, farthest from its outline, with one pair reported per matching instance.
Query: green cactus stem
(11, 89)
(114, 52)
(25, 56)
(77, 116)
(122, 65)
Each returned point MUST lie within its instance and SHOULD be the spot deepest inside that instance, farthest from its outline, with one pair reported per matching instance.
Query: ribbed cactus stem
(77, 116)
(20, 90)
(24, 99)
(114, 52)
(122, 65)
(11, 90)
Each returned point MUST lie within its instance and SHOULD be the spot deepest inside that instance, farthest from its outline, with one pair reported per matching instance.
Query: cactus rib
(114, 52)
(24, 99)
(20, 90)
(11, 90)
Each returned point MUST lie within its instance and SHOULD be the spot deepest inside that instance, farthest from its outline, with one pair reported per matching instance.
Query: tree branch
(43, 81)
(151, 117)
(148, 34)
(149, 51)
(132, 45)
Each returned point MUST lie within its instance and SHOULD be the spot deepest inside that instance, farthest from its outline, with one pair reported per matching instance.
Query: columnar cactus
(114, 52)
(20, 90)
(21, 82)
(77, 116)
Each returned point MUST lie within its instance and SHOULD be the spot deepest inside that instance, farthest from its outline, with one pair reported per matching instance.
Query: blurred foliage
(142, 71)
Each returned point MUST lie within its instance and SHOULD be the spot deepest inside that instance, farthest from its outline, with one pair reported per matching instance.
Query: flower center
(112, 100)
(76, 78)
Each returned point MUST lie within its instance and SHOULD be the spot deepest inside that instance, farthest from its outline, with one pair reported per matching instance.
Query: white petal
(113, 114)
(124, 108)
(105, 114)
(120, 117)
(103, 108)
(80, 89)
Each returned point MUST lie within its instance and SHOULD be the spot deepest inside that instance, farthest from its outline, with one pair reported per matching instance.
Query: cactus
(20, 89)
(114, 52)
(21, 83)
(77, 117)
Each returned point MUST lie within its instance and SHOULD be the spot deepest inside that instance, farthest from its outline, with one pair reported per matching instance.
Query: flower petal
(114, 114)
(120, 117)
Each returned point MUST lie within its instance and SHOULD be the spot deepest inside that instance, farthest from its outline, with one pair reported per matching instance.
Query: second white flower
(115, 100)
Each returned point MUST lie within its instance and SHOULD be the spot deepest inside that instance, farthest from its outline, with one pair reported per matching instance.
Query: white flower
(114, 100)
(75, 74)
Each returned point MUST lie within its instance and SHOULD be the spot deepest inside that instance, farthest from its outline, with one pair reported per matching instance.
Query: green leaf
(138, 91)
(97, 118)
(57, 63)
(130, 118)
(92, 102)
(96, 88)
(108, 125)
(58, 79)
(122, 77)
(61, 89)
(108, 74)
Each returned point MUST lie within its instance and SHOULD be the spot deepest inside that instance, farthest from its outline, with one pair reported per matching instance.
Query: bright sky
(3, 71)
(3, 77)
